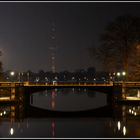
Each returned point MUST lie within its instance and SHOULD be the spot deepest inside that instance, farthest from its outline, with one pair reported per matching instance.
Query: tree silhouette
(119, 45)
(1, 69)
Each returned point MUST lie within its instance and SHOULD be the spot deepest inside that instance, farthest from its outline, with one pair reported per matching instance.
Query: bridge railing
(11, 84)
(65, 84)
(127, 83)
(16, 84)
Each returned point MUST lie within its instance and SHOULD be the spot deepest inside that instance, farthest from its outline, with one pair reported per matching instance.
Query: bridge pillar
(13, 84)
(13, 92)
(123, 91)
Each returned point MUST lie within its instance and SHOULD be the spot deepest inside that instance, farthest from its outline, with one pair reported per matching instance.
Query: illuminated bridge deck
(69, 85)
(27, 84)
(32, 84)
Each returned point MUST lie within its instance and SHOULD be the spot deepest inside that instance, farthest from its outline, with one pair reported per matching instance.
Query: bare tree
(1, 69)
(134, 63)
(119, 45)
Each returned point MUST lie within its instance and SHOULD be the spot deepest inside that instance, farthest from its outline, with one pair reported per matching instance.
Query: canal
(107, 120)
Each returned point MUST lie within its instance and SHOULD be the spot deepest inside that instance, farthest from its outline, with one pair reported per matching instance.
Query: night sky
(25, 30)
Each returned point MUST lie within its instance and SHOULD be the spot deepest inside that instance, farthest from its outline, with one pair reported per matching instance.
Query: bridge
(30, 87)
(107, 88)
(36, 86)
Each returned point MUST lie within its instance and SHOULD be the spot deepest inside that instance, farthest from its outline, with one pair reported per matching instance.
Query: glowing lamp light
(118, 73)
(12, 73)
(4, 112)
(129, 110)
(123, 73)
(11, 131)
(124, 130)
(119, 125)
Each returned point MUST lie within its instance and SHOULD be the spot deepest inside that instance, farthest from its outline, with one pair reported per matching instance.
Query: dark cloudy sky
(25, 32)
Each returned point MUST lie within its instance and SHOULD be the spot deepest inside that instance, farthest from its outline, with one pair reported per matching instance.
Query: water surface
(17, 123)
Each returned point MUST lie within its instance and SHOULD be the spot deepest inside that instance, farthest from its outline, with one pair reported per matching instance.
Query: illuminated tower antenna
(53, 47)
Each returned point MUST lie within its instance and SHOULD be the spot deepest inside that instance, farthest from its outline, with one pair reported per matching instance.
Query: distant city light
(56, 78)
(37, 79)
(73, 78)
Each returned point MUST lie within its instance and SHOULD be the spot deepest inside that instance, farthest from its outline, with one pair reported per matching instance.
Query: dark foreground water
(118, 122)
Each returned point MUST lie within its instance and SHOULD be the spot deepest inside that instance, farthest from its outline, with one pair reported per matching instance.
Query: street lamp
(123, 73)
(12, 73)
(118, 74)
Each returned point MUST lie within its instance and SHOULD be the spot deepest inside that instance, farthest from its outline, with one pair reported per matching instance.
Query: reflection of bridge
(19, 114)
(23, 110)
(105, 111)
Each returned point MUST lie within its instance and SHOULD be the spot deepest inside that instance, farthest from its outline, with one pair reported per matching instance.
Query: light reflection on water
(15, 120)
(69, 99)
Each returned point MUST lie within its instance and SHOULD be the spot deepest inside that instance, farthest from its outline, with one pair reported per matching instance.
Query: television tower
(52, 48)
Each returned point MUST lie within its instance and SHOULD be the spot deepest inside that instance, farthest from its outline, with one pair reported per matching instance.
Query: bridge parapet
(11, 84)
(127, 84)
(19, 84)
(67, 84)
